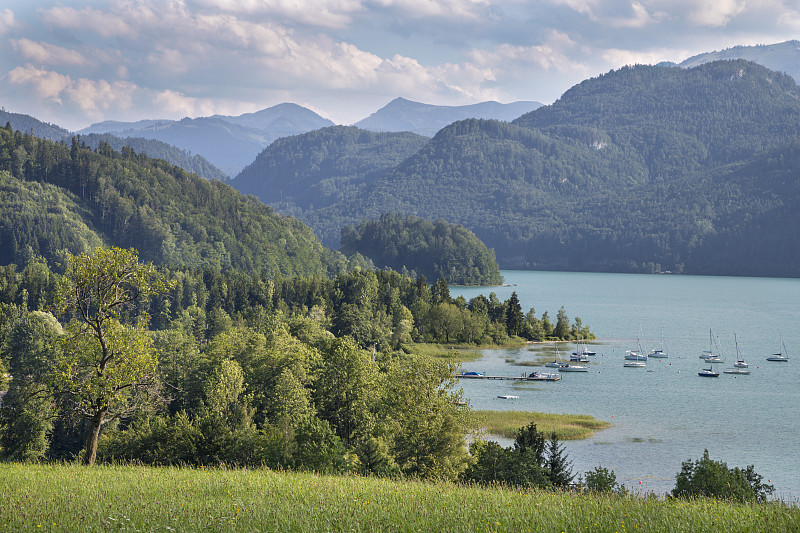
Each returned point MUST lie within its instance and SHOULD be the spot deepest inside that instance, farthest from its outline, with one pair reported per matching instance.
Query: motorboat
(573, 368)
(634, 364)
(740, 371)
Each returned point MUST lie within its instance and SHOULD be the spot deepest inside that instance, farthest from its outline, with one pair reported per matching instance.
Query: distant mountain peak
(402, 114)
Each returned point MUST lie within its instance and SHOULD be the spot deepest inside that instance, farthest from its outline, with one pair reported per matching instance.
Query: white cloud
(6, 20)
(551, 56)
(47, 54)
(47, 84)
(448, 9)
(717, 12)
(639, 19)
(322, 13)
(104, 24)
(90, 96)
(616, 58)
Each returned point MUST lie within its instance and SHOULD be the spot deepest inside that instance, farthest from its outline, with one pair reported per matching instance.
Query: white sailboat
(708, 355)
(581, 351)
(740, 367)
(659, 354)
(782, 354)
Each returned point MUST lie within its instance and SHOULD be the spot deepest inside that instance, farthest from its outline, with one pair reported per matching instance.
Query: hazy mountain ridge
(229, 142)
(781, 57)
(151, 147)
(425, 119)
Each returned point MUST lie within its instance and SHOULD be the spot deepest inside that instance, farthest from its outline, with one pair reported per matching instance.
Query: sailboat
(708, 372)
(782, 355)
(708, 355)
(557, 362)
(659, 354)
(637, 354)
(740, 367)
(581, 352)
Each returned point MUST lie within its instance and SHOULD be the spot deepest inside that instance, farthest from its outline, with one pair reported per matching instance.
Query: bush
(602, 480)
(713, 479)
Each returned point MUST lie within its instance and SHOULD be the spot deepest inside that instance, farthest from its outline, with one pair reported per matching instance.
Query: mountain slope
(424, 119)
(320, 168)
(58, 198)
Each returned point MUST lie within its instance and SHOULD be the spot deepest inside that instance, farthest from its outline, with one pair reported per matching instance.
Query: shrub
(714, 479)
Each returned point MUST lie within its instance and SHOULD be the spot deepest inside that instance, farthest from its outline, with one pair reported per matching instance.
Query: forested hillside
(299, 175)
(642, 169)
(434, 249)
(59, 198)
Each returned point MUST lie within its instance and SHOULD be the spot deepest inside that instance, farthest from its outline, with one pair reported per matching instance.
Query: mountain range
(424, 119)
(646, 168)
(783, 57)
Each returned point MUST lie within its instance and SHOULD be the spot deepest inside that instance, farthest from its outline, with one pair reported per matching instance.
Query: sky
(74, 63)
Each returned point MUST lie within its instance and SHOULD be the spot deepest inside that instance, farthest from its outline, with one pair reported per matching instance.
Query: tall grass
(125, 498)
(566, 427)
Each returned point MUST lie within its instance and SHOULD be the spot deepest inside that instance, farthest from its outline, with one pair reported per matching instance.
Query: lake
(663, 414)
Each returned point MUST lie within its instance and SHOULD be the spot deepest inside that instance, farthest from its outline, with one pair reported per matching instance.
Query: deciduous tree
(107, 367)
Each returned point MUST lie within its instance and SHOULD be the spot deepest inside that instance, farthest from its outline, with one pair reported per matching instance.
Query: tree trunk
(91, 442)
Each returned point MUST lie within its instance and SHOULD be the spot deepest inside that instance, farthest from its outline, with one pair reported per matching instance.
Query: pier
(533, 376)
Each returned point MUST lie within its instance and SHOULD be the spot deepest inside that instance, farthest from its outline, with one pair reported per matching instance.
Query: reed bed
(72, 498)
(566, 427)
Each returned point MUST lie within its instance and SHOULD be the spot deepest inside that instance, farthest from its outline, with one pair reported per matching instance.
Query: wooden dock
(534, 376)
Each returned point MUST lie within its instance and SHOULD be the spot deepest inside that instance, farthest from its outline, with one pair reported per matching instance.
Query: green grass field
(567, 427)
(72, 498)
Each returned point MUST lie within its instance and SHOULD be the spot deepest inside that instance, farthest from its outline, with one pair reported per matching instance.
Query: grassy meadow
(566, 427)
(73, 498)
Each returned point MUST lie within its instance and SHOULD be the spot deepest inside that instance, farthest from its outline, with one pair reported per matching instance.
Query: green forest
(643, 169)
(201, 367)
(415, 246)
(59, 198)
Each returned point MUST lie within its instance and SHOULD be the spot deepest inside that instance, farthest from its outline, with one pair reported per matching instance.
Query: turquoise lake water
(665, 413)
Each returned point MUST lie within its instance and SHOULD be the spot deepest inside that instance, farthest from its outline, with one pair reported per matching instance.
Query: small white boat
(579, 358)
(740, 371)
(508, 397)
(573, 368)
(543, 376)
(781, 355)
(634, 364)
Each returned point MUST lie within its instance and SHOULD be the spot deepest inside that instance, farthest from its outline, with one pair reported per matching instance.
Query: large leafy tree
(108, 367)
